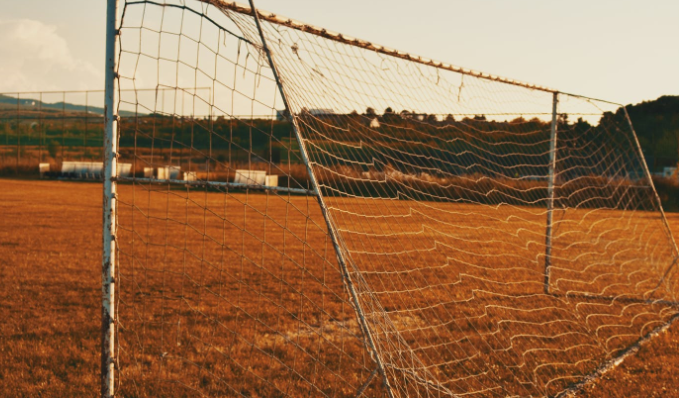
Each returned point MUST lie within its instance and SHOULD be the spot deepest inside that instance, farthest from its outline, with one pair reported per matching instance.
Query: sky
(623, 51)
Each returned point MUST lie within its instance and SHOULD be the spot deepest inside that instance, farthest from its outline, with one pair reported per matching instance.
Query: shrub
(53, 148)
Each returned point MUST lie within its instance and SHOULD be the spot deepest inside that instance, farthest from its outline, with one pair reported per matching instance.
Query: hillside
(30, 104)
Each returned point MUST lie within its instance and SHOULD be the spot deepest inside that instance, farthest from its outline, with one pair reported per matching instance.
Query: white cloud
(34, 57)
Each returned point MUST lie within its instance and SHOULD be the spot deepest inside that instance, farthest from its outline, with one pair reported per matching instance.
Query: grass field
(211, 320)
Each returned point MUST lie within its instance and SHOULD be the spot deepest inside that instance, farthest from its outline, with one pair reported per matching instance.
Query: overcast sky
(620, 50)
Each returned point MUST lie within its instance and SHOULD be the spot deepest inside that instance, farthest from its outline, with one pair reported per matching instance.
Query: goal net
(311, 214)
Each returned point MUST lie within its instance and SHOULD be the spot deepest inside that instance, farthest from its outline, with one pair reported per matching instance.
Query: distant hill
(8, 102)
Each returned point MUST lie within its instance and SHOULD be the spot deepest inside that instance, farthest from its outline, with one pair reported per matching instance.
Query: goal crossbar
(346, 39)
(342, 38)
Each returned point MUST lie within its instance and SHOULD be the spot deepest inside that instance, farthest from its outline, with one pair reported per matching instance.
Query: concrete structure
(251, 177)
(190, 176)
(255, 177)
(83, 170)
(44, 168)
(124, 169)
(168, 173)
(271, 181)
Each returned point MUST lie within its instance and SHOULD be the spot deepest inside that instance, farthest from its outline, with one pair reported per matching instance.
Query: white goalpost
(310, 214)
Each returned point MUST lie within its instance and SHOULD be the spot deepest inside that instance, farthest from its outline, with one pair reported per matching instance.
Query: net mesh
(446, 258)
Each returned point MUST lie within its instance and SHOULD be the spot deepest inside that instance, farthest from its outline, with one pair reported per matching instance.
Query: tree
(53, 148)
(431, 119)
(389, 116)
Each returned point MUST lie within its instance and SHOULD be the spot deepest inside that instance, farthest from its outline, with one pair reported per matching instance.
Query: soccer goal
(310, 214)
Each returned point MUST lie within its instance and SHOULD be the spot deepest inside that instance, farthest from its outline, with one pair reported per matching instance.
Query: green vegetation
(656, 123)
(439, 147)
(657, 126)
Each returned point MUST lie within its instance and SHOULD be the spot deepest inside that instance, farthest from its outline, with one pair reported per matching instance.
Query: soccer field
(200, 292)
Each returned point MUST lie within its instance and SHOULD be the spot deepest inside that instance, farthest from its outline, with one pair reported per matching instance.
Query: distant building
(668, 172)
(322, 112)
(282, 114)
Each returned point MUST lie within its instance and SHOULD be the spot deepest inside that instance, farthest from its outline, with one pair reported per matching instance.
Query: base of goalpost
(615, 361)
(622, 355)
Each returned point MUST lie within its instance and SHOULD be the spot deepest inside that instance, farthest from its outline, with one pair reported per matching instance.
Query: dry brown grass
(196, 323)
(49, 267)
